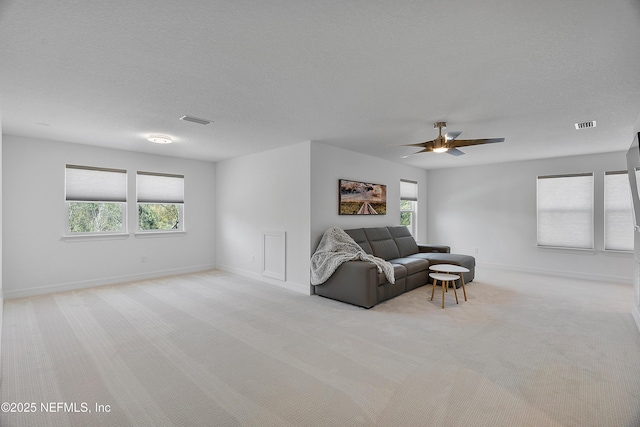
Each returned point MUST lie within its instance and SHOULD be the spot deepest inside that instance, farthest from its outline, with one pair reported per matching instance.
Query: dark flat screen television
(633, 167)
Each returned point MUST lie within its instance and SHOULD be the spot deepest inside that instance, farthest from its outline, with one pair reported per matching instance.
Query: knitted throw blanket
(337, 247)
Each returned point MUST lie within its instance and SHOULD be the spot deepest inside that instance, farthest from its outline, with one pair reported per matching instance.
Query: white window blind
(160, 188)
(565, 211)
(90, 184)
(618, 219)
(408, 190)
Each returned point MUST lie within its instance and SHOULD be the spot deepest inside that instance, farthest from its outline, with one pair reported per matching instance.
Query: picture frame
(361, 198)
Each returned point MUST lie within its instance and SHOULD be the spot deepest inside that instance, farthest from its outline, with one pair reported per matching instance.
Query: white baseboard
(636, 316)
(560, 273)
(292, 286)
(83, 284)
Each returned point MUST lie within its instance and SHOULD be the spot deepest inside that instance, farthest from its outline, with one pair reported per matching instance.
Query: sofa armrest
(434, 248)
(354, 282)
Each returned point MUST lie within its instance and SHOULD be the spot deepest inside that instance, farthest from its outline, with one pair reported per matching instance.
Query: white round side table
(444, 279)
(451, 268)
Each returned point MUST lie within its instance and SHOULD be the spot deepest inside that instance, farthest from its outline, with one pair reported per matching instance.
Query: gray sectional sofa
(359, 283)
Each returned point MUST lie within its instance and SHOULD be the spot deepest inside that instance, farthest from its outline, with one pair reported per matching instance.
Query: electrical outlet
(477, 250)
(143, 259)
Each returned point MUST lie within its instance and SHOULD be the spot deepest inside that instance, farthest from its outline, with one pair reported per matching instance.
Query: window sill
(119, 236)
(567, 250)
(152, 234)
(610, 252)
(617, 252)
(93, 237)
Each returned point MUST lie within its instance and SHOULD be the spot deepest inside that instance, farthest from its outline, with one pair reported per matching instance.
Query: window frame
(150, 196)
(591, 227)
(605, 210)
(410, 195)
(79, 192)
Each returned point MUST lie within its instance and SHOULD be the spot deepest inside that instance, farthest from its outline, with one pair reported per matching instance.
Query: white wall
(493, 208)
(38, 260)
(295, 189)
(263, 192)
(329, 164)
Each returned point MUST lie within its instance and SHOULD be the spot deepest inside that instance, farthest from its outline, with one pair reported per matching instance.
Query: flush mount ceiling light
(160, 139)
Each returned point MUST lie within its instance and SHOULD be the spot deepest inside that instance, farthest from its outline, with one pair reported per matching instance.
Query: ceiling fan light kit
(449, 143)
(159, 139)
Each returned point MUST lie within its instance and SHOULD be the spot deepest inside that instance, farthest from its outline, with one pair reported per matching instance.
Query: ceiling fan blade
(419, 144)
(426, 150)
(468, 142)
(448, 142)
(452, 135)
(455, 152)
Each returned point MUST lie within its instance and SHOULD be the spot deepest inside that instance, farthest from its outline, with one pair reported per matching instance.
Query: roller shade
(408, 190)
(160, 188)
(91, 184)
(618, 213)
(565, 211)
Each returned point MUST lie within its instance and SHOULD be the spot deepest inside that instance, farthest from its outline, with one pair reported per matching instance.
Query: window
(408, 205)
(96, 200)
(160, 200)
(565, 211)
(618, 213)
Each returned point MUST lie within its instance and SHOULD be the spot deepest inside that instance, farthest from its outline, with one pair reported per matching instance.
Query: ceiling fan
(448, 143)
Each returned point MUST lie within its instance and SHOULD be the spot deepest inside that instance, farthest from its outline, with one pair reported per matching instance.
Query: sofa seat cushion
(466, 261)
(399, 272)
(413, 265)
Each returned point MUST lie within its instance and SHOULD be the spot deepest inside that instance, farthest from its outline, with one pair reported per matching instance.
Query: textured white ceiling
(363, 75)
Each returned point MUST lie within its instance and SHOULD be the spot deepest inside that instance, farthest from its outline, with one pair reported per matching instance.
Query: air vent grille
(195, 120)
(586, 125)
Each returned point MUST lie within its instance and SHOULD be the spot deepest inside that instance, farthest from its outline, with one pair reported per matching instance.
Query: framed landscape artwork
(362, 198)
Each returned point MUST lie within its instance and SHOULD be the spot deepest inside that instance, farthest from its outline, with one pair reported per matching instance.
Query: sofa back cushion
(382, 243)
(404, 240)
(360, 238)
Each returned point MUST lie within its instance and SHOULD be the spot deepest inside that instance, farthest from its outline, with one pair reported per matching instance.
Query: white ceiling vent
(196, 120)
(586, 125)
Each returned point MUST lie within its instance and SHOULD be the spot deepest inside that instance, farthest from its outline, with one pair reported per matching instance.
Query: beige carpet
(213, 349)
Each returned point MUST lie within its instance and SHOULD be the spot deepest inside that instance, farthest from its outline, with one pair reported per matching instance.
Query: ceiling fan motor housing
(440, 144)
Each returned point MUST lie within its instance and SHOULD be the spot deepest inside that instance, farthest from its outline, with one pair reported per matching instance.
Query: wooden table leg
(453, 282)
(434, 289)
(463, 288)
